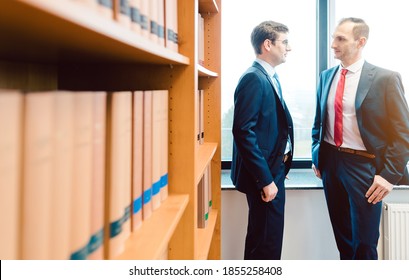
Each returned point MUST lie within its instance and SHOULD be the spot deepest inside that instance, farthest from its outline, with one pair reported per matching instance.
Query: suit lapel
(327, 81)
(258, 66)
(365, 81)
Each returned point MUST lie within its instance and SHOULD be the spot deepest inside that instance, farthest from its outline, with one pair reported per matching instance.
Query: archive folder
(82, 175)
(164, 144)
(147, 155)
(96, 242)
(156, 147)
(137, 159)
(119, 184)
(37, 179)
(11, 106)
(62, 171)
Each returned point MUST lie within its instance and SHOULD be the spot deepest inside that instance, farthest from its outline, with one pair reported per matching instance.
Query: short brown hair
(266, 30)
(361, 29)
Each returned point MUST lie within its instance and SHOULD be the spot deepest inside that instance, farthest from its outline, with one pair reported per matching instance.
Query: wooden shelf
(44, 31)
(205, 235)
(149, 242)
(49, 45)
(208, 6)
(204, 72)
(205, 155)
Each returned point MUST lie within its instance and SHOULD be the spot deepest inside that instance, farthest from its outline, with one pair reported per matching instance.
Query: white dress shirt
(351, 136)
(271, 71)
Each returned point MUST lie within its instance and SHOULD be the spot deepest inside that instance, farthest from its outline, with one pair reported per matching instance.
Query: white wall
(307, 230)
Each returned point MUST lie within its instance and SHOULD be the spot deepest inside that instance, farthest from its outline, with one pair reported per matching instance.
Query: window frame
(324, 13)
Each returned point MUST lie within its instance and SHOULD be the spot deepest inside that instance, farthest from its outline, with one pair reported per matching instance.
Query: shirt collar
(269, 69)
(355, 67)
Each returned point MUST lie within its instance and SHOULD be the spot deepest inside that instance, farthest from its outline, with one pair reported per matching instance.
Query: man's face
(346, 47)
(278, 51)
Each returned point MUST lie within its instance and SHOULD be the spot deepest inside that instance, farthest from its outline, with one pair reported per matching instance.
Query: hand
(379, 189)
(316, 171)
(269, 192)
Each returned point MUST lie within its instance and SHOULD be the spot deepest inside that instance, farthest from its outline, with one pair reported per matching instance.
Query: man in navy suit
(360, 140)
(263, 142)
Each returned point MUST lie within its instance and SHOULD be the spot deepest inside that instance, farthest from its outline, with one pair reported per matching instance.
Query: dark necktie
(339, 108)
(279, 91)
(280, 94)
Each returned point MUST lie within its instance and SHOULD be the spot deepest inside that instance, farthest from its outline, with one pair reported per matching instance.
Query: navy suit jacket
(383, 119)
(261, 127)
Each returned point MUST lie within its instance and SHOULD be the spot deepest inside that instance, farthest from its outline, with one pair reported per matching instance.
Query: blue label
(96, 241)
(156, 187)
(137, 205)
(147, 196)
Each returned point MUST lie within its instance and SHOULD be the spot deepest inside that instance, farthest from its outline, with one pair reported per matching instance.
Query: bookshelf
(211, 84)
(204, 72)
(61, 47)
(63, 32)
(153, 238)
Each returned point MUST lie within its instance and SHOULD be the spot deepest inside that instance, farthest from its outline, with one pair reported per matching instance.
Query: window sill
(299, 179)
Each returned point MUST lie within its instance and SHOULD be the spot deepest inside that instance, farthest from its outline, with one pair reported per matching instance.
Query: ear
(267, 44)
(362, 42)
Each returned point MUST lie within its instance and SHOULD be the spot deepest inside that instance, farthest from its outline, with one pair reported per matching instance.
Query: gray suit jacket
(383, 119)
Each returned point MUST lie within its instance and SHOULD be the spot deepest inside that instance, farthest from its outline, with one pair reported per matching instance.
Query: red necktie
(338, 108)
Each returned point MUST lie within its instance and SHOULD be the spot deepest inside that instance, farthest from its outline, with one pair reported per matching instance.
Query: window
(385, 47)
(297, 75)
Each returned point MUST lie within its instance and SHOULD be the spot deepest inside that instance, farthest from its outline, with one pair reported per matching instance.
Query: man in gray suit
(360, 140)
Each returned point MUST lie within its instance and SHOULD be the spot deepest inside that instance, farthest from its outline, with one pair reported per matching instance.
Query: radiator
(396, 231)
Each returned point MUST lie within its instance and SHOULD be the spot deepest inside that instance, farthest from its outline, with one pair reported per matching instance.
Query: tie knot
(275, 76)
(344, 72)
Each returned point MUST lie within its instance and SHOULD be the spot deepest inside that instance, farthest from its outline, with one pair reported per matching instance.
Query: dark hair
(361, 29)
(266, 30)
